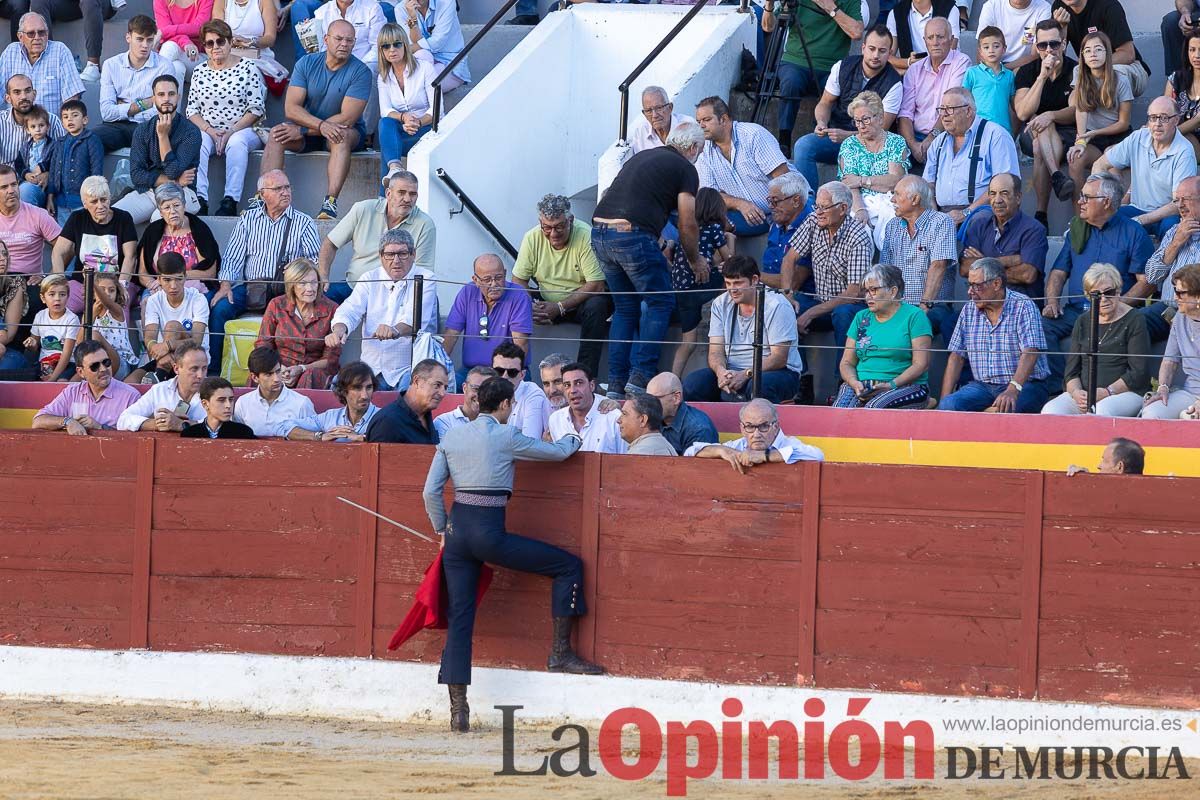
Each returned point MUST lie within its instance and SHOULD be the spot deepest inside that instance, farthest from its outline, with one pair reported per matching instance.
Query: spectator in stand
(354, 388)
(216, 397)
(177, 231)
(550, 370)
(762, 441)
(1183, 349)
(871, 162)
(1179, 247)
(92, 404)
(111, 325)
(324, 108)
(264, 239)
(73, 159)
(999, 334)
(1043, 103)
(788, 199)
(990, 82)
(729, 373)
(920, 241)
(149, 168)
(886, 360)
(530, 408)
(170, 405)
(1107, 17)
(1099, 235)
(20, 96)
(367, 221)
(13, 303)
(925, 84)
(1017, 20)
(835, 114)
(490, 310)
(406, 93)
(54, 331)
(840, 250)
(179, 23)
(1158, 157)
(383, 302)
(50, 65)
(92, 12)
(272, 409)
(255, 24)
(433, 25)
(583, 416)
(1001, 230)
(408, 420)
(226, 98)
(96, 236)
(1103, 103)
(716, 247)
(174, 315)
(1183, 86)
(682, 425)
(1123, 372)
(469, 410)
(368, 20)
(25, 230)
(741, 182)
(625, 228)
(127, 84)
(33, 164)
(295, 326)
(820, 36)
(963, 158)
(1121, 457)
(657, 122)
(558, 255)
(1176, 29)
(907, 23)
(641, 427)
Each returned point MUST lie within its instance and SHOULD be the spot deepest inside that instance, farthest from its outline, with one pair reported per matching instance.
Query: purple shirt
(513, 313)
(116, 398)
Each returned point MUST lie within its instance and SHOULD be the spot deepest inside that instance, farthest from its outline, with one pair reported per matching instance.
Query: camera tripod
(768, 82)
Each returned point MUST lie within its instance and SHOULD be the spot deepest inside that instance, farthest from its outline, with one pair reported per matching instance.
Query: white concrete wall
(540, 120)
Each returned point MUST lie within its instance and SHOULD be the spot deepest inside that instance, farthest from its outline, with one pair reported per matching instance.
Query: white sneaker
(91, 73)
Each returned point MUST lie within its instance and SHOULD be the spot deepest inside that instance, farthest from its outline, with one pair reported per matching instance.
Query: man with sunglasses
(531, 409)
(488, 311)
(49, 64)
(1043, 103)
(762, 441)
(92, 404)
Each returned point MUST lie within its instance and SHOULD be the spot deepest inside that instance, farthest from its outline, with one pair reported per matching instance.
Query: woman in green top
(1123, 376)
(887, 351)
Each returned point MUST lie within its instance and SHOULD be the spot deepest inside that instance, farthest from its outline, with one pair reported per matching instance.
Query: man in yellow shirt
(557, 255)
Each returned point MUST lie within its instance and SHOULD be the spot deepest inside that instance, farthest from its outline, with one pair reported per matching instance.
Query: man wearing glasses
(92, 404)
(1158, 157)
(49, 64)
(1179, 247)
(657, 122)
(924, 84)
(762, 441)
(1043, 103)
(486, 312)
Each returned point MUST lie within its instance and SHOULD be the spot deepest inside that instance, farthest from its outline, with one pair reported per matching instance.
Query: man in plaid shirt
(1001, 336)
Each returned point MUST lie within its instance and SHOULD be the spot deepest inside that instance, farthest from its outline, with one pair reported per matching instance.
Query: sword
(399, 525)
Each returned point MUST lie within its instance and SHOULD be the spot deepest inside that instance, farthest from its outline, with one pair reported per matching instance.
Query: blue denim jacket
(72, 159)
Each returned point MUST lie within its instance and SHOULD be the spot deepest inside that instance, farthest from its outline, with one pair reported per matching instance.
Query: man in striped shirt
(20, 95)
(264, 238)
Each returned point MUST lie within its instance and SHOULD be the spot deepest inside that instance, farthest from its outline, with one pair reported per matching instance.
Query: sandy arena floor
(62, 750)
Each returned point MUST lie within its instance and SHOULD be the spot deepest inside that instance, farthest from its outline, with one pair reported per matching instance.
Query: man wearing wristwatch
(92, 404)
(126, 93)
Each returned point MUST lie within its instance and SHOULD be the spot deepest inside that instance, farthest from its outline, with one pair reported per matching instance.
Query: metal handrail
(454, 62)
(469, 204)
(640, 68)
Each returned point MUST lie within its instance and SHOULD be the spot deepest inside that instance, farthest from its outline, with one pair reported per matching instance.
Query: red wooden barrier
(959, 581)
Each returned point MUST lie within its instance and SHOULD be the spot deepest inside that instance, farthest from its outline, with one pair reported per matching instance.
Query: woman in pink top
(179, 24)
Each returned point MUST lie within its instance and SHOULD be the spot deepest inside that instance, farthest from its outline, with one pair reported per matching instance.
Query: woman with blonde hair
(1123, 373)
(1103, 102)
(406, 73)
(295, 325)
(871, 163)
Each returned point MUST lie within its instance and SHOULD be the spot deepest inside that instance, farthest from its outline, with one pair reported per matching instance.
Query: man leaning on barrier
(762, 441)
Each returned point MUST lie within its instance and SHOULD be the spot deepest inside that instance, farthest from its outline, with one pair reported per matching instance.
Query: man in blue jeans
(625, 230)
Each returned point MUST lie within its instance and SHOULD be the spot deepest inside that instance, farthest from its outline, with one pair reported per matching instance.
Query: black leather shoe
(460, 712)
(228, 207)
(562, 657)
(523, 19)
(203, 211)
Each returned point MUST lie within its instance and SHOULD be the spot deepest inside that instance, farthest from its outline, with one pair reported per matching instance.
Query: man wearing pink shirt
(924, 84)
(91, 404)
(25, 230)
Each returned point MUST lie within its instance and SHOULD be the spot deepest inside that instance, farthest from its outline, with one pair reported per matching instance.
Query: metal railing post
(697, 6)
(418, 310)
(1093, 352)
(760, 313)
(454, 62)
(89, 309)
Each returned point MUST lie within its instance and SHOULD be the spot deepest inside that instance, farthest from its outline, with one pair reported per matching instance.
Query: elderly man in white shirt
(367, 18)
(272, 409)
(762, 441)
(599, 430)
(172, 405)
(382, 301)
(531, 408)
(469, 410)
(657, 122)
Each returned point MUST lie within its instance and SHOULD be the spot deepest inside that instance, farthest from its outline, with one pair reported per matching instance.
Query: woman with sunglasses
(1123, 375)
(1184, 88)
(1183, 351)
(225, 99)
(1103, 102)
(406, 73)
(254, 24)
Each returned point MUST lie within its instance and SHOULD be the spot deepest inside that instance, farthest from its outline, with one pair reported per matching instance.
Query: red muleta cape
(430, 602)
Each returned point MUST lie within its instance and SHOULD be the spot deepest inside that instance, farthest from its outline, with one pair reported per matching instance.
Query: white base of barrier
(363, 689)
